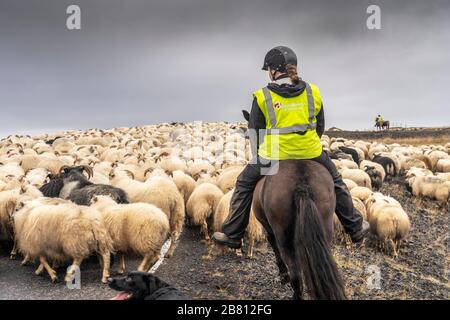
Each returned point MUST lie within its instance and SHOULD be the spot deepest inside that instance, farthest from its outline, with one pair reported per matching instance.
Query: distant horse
(384, 125)
(296, 207)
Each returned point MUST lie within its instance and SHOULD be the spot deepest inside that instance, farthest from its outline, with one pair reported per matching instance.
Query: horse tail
(312, 251)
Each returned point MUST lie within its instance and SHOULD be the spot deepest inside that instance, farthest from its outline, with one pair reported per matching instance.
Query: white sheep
(139, 227)
(159, 191)
(60, 232)
(253, 234)
(227, 178)
(202, 204)
(360, 177)
(388, 221)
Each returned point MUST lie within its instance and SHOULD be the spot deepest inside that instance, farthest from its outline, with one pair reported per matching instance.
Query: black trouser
(241, 201)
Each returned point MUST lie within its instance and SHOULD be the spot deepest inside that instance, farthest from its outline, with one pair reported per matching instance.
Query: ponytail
(292, 73)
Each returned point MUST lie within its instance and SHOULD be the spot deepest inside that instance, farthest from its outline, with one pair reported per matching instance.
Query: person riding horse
(290, 112)
(379, 121)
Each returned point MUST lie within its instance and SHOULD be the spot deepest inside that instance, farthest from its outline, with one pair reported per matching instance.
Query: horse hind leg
(283, 270)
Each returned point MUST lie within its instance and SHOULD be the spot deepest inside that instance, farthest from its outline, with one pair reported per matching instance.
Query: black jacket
(257, 120)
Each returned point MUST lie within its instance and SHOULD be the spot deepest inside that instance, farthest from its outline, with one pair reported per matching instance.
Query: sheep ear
(169, 173)
(246, 115)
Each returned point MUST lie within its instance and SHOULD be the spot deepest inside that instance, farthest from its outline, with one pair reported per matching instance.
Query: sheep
(351, 151)
(71, 184)
(185, 184)
(9, 200)
(359, 176)
(388, 221)
(53, 164)
(159, 191)
(11, 170)
(387, 163)
(429, 186)
(350, 184)
(361, 193)
(254, 232)
(227, 178)
(443, 165)
(360, 206)
(375, 177)
(139, 227)
(435, 156)
(378, 167)
(60, 232)
(202, 204)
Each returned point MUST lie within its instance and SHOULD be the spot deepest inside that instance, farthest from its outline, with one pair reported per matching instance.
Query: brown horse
(384, 125)
(296, 208)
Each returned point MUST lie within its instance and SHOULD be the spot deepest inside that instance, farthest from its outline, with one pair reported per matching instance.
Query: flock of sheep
(64, 198)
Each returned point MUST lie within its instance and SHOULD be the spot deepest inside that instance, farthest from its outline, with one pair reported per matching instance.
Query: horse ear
(246, 115)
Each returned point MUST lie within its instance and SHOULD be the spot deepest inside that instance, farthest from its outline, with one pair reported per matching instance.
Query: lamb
(60, 232)
(138, 227)
(388, 221)
(159, 191)
(202, 204)
(359, 176)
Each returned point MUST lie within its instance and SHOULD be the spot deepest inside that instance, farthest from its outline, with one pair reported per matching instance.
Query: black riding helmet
(278, 57)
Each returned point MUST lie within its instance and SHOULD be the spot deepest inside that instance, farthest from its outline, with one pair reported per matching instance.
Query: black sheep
(387, 163)
(79, 189)
(352, 152)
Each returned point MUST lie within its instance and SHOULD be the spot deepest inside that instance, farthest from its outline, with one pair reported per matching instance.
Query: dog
(143, 286)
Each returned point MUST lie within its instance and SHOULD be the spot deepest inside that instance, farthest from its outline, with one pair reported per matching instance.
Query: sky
(139, 62)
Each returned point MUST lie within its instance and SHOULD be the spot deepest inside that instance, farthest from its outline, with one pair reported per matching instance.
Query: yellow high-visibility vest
(290, 124)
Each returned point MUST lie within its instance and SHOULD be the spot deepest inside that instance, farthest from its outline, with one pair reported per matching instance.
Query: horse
(383, 125)
(296, 207)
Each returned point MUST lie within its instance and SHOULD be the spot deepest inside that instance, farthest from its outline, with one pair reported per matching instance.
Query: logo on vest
(277, 105)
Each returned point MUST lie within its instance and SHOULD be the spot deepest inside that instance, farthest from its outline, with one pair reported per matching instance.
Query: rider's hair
(292, 73)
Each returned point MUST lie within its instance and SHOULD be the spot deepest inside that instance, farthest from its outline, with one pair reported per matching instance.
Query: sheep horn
(131, 174)
(88, 170)
(147, 171)
(63, 168)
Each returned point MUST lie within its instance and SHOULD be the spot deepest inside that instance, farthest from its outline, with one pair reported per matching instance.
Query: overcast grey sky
(137, 62)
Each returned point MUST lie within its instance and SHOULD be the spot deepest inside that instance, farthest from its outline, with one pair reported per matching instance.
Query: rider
(379, 120)
(295, 107)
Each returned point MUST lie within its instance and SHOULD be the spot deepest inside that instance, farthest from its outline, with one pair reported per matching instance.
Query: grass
(417, 141)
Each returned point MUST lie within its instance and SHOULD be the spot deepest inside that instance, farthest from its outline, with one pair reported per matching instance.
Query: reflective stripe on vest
(292, 129)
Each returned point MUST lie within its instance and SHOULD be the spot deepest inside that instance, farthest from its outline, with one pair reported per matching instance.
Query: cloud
(145, 62)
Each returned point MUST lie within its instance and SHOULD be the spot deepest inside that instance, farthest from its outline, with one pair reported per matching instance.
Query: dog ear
(246, 115)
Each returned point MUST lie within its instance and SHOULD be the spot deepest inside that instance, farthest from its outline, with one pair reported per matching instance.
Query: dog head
(136, 285)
